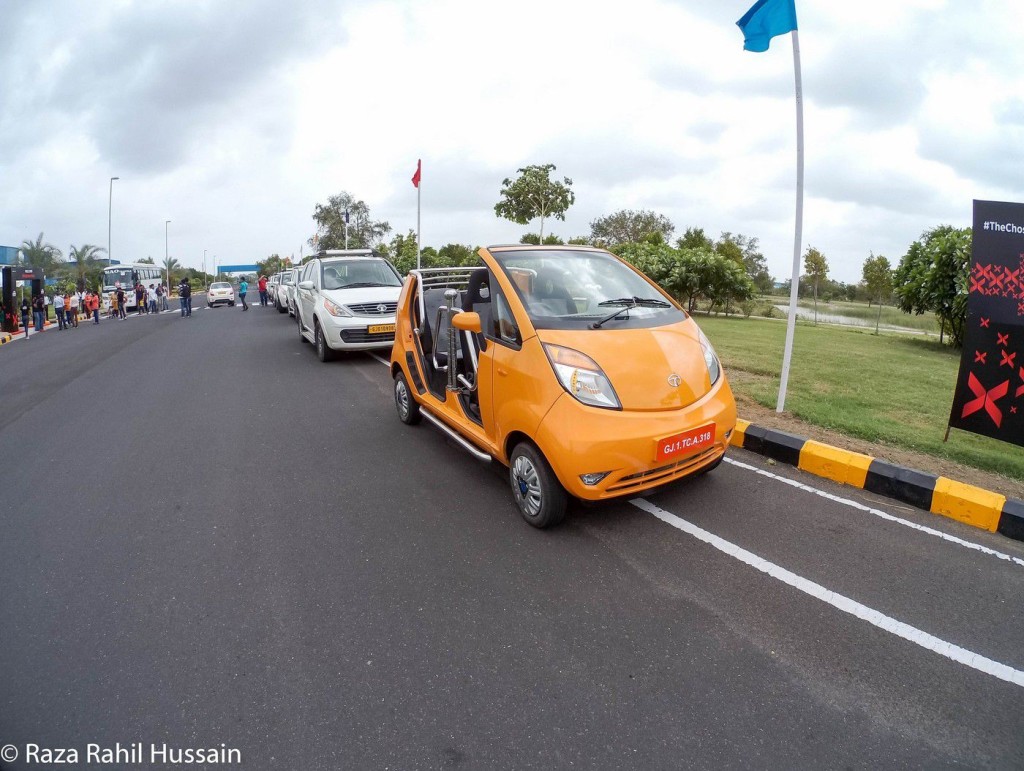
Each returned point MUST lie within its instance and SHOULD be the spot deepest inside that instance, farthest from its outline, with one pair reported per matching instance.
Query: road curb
(971, 505)
(5, 338)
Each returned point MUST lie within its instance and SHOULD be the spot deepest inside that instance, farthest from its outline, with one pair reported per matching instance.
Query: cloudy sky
(233, 120)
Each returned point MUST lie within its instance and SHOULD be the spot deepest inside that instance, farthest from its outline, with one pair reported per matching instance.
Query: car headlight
(710, 358)
(334, 309)
(581, 377)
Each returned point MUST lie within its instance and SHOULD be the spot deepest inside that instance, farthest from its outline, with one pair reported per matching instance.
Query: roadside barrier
(965, 503)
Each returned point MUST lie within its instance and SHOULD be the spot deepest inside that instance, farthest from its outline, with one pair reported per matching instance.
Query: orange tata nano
(567, 365)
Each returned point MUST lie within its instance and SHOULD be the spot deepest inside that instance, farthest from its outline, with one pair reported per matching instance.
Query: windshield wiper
(365, 283)
(627, 303)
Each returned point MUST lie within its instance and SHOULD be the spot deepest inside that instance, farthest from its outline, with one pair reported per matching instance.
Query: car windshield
(122, 276)
(348, 274)
(220, 285)
(577, 289)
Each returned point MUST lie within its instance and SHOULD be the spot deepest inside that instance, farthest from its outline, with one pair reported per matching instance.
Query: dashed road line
(877, 512)
(876, 618)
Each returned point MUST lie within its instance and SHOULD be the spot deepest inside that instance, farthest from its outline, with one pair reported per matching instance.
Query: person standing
(185, 296)
(262, 284)
(151, 294)
(38, 311)
(120, 303)
(72, 309)
(243, 287)
(25, 308)
(164, 305)
(58, 309)
(94, 306)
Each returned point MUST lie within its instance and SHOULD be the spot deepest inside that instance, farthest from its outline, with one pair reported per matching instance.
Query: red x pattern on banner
(985, 399)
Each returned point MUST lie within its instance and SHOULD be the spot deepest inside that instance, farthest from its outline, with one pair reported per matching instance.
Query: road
(208, 538)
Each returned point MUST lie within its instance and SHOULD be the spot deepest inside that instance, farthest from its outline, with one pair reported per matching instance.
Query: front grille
(673, 471)
(373, 309)
(362, 336)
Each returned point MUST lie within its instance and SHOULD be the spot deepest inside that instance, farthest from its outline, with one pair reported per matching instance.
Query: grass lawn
(891, 388)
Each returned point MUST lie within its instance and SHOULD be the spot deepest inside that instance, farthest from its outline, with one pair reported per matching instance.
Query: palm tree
(41, 255)
(85, 257)
(171, 265)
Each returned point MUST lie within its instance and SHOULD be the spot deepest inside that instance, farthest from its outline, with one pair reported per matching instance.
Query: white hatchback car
(220, 292)
(346, 300)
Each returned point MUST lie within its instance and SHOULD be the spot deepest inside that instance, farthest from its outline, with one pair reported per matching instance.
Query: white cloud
(235, 124)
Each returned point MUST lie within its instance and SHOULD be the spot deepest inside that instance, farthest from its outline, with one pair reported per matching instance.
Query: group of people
(67, 307)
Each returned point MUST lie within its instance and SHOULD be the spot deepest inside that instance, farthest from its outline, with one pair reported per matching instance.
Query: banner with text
(989, 396)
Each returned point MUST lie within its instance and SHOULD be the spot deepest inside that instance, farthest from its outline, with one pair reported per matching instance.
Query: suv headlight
(710, 358)
(335, 310)
(581, 377)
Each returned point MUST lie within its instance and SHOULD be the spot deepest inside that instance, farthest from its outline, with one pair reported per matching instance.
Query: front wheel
(408, 408)
(537, 492)
(323, 351)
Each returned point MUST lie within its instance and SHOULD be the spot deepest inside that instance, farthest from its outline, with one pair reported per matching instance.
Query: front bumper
(577, 440)
(353, 333)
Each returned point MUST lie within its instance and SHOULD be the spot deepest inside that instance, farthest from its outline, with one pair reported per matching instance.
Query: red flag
(416, 176)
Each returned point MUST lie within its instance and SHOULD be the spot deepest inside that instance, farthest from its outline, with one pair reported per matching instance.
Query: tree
(628, 226)
(694, 238)
(171, 266)
(40, 254)
(933, 275)
(87, 267)
(147, 261)
(877, 274)
(275, 263)
(549, 240)
(363, 231)
(749, 255)
(534, 194)
(457, 256)
(816, 269)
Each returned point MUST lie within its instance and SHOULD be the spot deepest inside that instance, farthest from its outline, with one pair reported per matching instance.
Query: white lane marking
(381, 359)
(878, 513)
(838, 601)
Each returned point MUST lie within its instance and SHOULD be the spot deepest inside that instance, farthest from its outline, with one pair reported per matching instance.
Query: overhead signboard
(989, 398)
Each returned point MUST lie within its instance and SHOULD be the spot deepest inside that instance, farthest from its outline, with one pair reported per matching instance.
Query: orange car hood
(640, 362)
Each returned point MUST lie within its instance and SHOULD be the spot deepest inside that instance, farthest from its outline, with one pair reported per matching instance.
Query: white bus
(127, 274)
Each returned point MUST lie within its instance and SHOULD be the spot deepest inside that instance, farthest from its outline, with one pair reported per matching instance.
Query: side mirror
(307, 285)
(467, 322)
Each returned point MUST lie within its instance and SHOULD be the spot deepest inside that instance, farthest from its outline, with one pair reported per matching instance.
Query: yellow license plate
(377, 329)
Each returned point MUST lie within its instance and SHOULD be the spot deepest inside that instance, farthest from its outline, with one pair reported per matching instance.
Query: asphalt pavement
(210, 539)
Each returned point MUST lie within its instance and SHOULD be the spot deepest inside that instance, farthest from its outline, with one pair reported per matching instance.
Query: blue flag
(765, 20)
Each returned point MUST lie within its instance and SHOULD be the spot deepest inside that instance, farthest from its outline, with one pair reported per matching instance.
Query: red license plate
(694, 440)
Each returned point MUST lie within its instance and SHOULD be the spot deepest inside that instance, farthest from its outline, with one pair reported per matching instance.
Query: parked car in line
(296, 276)
(282, 297)
(346, 300)
(221, 292)
(272, 285)
(567, 365)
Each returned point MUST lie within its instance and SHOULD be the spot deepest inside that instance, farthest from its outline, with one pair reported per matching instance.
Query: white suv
(346, 300)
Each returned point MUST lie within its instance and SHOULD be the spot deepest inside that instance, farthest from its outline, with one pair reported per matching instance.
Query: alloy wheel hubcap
(401, 398)
(527, 486)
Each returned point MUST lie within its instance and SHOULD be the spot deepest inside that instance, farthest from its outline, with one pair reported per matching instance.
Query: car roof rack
(347, 253)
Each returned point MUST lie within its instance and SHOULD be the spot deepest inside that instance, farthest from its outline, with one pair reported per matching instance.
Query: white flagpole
(419, 190)
(798, 235)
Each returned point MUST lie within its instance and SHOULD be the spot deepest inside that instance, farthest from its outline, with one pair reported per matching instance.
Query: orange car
(567, 365)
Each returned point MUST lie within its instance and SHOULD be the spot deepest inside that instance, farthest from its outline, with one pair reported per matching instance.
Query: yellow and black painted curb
(5, 338)
(939, 495)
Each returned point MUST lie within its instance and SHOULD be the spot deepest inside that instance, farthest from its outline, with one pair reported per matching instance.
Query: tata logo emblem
(674, 380)
(382, 308)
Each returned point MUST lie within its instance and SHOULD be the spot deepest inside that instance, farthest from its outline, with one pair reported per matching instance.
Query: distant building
(9, 255)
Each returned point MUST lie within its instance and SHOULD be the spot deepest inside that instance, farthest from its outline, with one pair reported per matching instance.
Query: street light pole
(206, 283)
(110, 206)
(167, 269)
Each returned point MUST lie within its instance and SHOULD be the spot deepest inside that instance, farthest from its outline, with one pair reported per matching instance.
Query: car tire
(302, 337)
(408, 408)
(231, 303)
(538, 494)
(209, 305)
(323, 350)
(280, 309)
